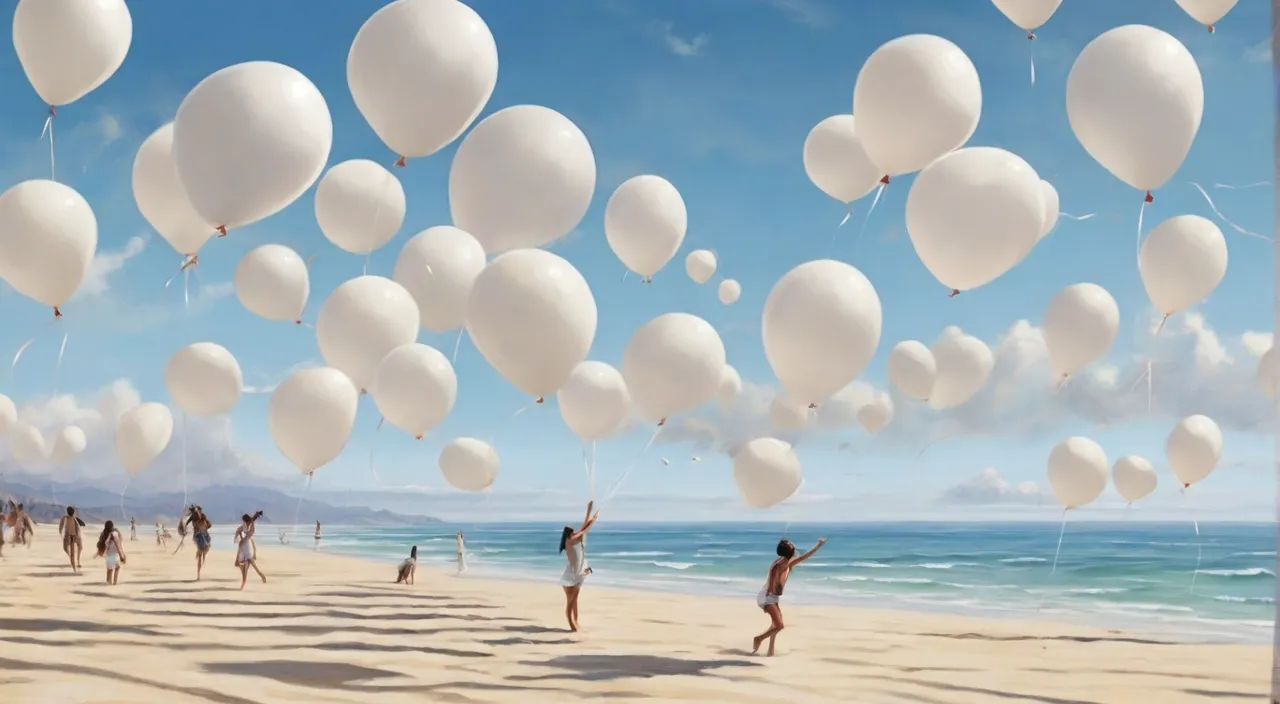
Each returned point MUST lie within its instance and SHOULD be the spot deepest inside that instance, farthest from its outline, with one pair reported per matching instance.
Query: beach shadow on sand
(992, 693)
(1072, 639)
(7, 664)
(45, 625)
(601, 667)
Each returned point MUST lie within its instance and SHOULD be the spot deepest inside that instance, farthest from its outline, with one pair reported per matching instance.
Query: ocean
(1124, 575)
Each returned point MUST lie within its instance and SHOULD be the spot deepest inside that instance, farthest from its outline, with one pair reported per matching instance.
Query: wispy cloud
(810, 13)
(97, 280)
(678, 45)
(1259, 53)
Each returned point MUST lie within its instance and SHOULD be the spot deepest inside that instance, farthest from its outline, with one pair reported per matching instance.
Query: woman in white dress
(245, 557)
(573, 545)
(462, 554)
(111, 547)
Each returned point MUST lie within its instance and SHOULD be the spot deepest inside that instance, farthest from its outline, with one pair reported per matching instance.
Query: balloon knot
(53, 110)
(662, 422)
(363, 391)
(813, 406)
(192, 261)
(885, 179)
(298, 321)
(1031, 35)
(56, 313)
(1148, 198)
(417, 437)
(954, 292)
(222, 230)
(400, 162)
(1210, 28)
(1186, 485)
(539, 399)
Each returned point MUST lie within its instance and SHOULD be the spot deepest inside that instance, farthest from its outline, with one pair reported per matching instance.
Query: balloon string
(302, 498)
(183, 429)
(1150, 374)
(586, 467)
(622, 477)
(1062, 531)
(124, 517)
(592, 475)
(365, 270)
(848, 213)
(57, 369)
(1031, 53)
(1195, 523)
(23, 348)
(456, 345)
(872, 209)
(506, 422)
(373, 444)
(1141, 213)
(1223, 218)
(48, 129)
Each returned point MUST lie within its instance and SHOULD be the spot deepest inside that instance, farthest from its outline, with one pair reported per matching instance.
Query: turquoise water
(1133, 575)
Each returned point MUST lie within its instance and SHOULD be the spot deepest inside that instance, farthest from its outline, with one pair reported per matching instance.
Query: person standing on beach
(200, 526)
(317, 535)
(462, 554)
(110, 547)
(133, 528)
(771, 594)
(69, 527)
(23, 528)
(408, 568)
(245, 553)
(577, 569)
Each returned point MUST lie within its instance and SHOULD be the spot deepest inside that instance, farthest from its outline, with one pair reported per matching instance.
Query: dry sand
(332, 629)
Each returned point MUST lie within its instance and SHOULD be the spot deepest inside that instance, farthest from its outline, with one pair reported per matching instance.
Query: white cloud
(109, 128)
(1259, 53)
(680, 46)
(97, 279)
(806, 12)
(990, 487)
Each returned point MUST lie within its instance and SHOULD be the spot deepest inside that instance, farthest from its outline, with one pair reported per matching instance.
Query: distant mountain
(223, 505)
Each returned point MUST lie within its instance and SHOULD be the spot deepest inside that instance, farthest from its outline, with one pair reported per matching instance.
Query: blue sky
(716, 96)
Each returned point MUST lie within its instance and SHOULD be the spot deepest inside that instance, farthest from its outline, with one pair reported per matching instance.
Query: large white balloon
(533, 318)
(730, 385)
(594, 402)
(27, 447)
(361, 322)
(912, 369)
(142, 433)
(272, 282)
(69, 47)
(1080, 325)
(916, 98)
(1207, 12)
(821, 326)
(522, 178)
(876, 415)
(160, 198)
(1052, 208)
(437, 267)
(1028, 14)
(974, 214)
(1134, 477)
(359, 205)
(415, 388)
(8, 415)
(836, 161)
(1077, 471)
(311, 415)
(1134, 101)
(1193, 449)
(469, 464)
(644, 222)
(68, 445)
(766, 472)
(788, 414)
(420, 71)
(700, 265)
(248, 140)
(729, 291)
(204, 379)
(48, 236)
(1181, 262)
(964, 364)
(673, 363)
(1268, 376)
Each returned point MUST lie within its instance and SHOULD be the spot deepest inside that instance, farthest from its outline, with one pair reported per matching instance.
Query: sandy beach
(334, 629)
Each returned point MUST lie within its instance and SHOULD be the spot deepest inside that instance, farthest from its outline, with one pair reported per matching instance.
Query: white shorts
(764, 599)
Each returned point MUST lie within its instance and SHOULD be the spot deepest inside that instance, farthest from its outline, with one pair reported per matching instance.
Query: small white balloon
(204, 379)
(272, 282)
(415, 388)
(1193, 449)
(522, 178)
(1029, 15)
(729, 291)
(359, 206)
(1181, 262)
(766, 472)
(67, 48)
(27, 447)
(361, 322)
(1052, 206)
(876, 415)
(142, 433)
(788, 414)
(311, 415)
(1207, 12)
(68, 445)
(1133, 477)
(469, 464)
(840, 410)
(912, 369)
(48, 237)
(1080, 325)
(8, 415)
(1077, 471)
(700, 265)
(1268, 377)
(730, 386)
(964, 364)
(675, 362)
(645, 222)
(594, 402)
(160, 198)
(438, 267)
(836, 161)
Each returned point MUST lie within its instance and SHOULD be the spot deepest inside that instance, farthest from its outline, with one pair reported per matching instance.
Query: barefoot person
(111, 547)
(576, 571)
(318, 536)
(133, 529)
(462, 554)
(200, 526)
(245, 553)
(22, 526)
(69, 527)
(774, 583)
(408, 568)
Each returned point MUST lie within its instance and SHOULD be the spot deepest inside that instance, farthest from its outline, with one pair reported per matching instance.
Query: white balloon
(415, 388)
(142, 433)
(964, 364)
(69, 47)
(729, 291)
(788, 414)
(1028, 14)
(821, 326)
(28, 447)
(160, 198)
(877, 415)
(766, 472)
(469, 464)
(700, 265)
(8, 415)
(594, 402)
(68, 445)
(1207, 12)
(1181, 262)
(204, 379)
(523, 178)
(1134, 477)
(837, 163)
(1052, 207)
(1268, 378)
(1193, 449)
(311, 415)
(1134, 101)
(1077, 471)
(974, 214)
(644, 222)
(1080, 325)
(916, 98)
(420, 71)
(48, 236)
(912, 369)
(361, 322)
(248, 140)
(533, 318)
(730, 385)
(272, 282)
(840, 410)
(437, 267)
(359, 206)
(674, 362)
